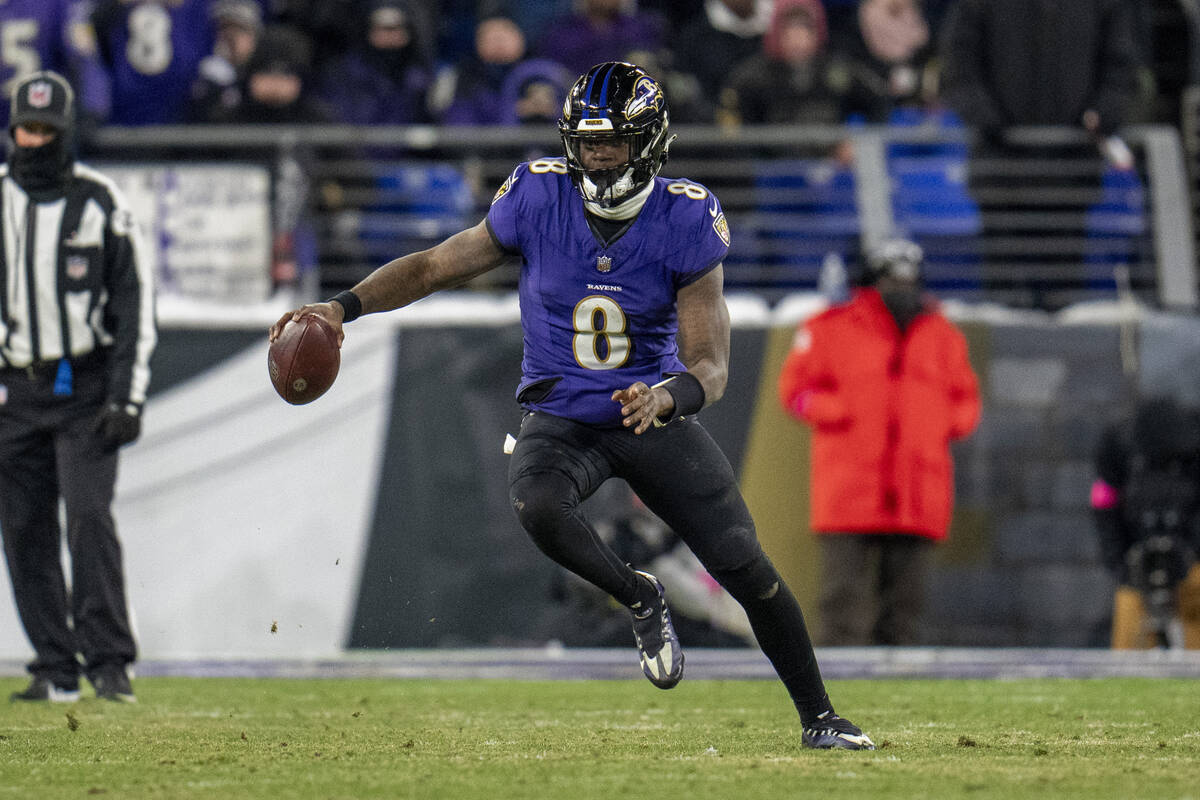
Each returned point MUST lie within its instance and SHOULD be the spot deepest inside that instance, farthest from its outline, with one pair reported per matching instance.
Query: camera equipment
(1162, 507)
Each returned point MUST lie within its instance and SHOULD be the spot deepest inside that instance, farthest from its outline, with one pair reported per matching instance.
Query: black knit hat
(894, 258)
(281, 48)
(44, 97)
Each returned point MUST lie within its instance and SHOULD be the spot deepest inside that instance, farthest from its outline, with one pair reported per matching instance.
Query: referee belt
(47, 370)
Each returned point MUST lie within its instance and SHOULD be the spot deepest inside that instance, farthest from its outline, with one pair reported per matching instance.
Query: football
(304, 360)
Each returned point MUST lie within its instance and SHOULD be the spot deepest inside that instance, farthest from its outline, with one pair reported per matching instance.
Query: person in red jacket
(885, 383)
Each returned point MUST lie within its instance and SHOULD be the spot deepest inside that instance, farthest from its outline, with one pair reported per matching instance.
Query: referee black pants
(49, 452)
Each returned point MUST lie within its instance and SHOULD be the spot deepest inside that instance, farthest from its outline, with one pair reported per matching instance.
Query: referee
(76, 334)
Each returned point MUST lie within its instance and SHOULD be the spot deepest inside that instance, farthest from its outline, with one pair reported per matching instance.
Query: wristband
(687, 392)
(351, 305)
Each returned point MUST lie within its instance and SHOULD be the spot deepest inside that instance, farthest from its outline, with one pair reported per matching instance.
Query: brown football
(304, 360)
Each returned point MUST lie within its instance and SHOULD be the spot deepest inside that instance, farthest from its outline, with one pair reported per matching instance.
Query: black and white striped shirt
(75, 279)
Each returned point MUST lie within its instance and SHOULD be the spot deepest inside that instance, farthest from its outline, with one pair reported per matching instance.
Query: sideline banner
(206, 227)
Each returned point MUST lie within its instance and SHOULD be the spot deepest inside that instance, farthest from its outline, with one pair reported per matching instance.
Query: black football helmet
(615, 100)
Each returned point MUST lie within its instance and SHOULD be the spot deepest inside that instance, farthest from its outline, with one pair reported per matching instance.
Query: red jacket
(884, 408)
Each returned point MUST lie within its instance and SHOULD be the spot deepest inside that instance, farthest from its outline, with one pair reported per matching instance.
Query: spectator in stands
(385, 79)
(724, 34)
(885, 383)
(1146, 504)
(275, 89)
(471, 93)
(151, 50)
(935, 11)
(600, 30)
(332, 27)
(1041, 62)
(887, 61)
(533, 92)
(1068, 63)
(687, 103)
(674, 13)
(788, 80)
(217, 90)
(456, 21)
(1168, 53)
(57, 35)
(533, 18)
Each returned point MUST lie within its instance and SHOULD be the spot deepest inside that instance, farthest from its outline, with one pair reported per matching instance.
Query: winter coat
(1039, 62)
(884, 407)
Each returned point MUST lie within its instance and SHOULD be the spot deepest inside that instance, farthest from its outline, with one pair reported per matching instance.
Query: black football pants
(48, 451)
(681, 475)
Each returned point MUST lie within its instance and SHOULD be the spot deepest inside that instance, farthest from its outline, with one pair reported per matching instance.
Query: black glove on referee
(118, 424)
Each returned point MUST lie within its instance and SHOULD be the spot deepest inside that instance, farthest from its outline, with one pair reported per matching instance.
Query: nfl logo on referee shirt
(604, 263)
(77, 267)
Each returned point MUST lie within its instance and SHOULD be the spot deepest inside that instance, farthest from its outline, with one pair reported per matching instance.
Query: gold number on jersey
(689, 190)
(600, 341)
(543, 165)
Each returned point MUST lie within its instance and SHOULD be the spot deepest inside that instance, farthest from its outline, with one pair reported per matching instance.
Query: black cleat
(658, 645)
(831, 732)
(45, 690)
(112, 683)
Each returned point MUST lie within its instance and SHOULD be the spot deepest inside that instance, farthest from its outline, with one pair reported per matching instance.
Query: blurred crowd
(1095, 63)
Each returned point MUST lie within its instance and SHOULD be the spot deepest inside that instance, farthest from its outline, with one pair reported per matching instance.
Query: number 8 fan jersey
(152, 51)
(597, 317)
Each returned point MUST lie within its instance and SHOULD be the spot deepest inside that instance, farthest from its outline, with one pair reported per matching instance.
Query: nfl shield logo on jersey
(604, 263)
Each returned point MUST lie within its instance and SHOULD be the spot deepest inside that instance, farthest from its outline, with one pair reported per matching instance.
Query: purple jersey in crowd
(598, 318)
(45, 34)
(152, 49)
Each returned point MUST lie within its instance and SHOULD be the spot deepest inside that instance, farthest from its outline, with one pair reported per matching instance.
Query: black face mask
(40, 170)
(392, 61)
(905, 303)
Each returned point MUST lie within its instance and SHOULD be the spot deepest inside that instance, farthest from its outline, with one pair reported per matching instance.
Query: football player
(626, 338)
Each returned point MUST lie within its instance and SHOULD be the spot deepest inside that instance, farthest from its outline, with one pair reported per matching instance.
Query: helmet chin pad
(607, 187)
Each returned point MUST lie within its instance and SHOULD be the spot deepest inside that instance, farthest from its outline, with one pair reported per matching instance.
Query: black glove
(118, 424)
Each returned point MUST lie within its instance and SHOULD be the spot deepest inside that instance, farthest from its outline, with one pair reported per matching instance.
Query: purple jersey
(44, 34)
(597, 318)
(152, 49)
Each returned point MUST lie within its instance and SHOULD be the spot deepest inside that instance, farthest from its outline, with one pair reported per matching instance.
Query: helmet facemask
(610, 186)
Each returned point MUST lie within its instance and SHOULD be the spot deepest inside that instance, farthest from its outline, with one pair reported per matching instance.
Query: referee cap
(44, 97)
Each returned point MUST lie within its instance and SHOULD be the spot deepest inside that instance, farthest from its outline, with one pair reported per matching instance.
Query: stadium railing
(1042, 221)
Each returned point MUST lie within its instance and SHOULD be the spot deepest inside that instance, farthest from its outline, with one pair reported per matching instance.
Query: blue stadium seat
(1115, 227)
(931, 204)
(417, 205)
(803, 210)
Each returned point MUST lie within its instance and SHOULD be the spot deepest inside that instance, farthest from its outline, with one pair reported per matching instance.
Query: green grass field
(277, 739)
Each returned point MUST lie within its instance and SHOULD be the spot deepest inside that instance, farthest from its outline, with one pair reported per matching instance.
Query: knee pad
(756, 580)
(542, 502)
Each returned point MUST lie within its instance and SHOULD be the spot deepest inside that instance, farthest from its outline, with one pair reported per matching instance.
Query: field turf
(372, 738)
